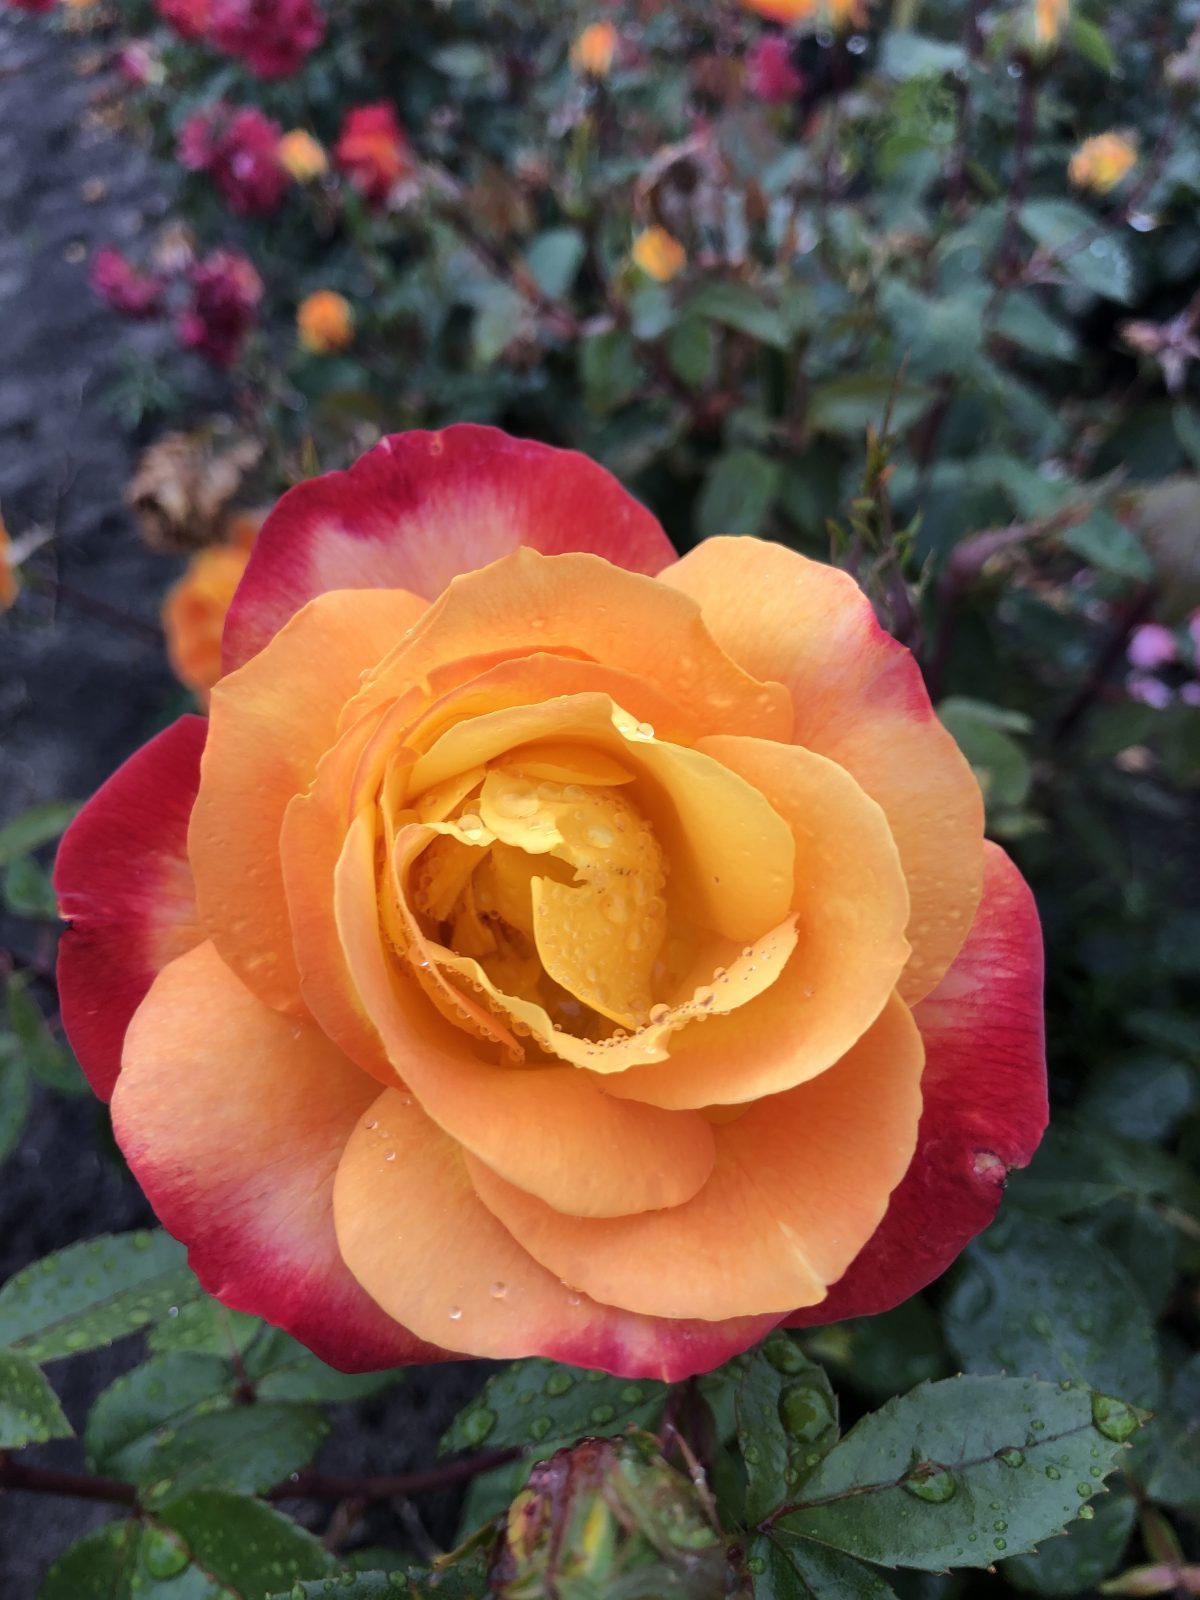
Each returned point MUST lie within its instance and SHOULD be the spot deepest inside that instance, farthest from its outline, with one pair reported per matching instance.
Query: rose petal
(233, 1119)
(124, 885)
(801, 1181)
(422, 1244)
(270, 723)
(985, 1103)
(860, 700)
(423, 507)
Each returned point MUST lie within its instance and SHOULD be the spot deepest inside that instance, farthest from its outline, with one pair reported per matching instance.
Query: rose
(373, 152)
(137, 294)
(226, 294)
(273, 37)
(195, 606)
(239, 149)
(535, 955)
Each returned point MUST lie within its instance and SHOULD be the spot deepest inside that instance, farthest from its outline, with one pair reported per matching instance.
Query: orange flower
(10, 584)
(595, 49)
(302, 156)
(1049, 19)
(835, 13)
(194, 610)
(325, 322)
(1101, 163)
(659, 254)
(548, 956)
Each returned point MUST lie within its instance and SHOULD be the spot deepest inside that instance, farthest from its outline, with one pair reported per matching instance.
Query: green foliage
(544, 1404)
(29, 1408)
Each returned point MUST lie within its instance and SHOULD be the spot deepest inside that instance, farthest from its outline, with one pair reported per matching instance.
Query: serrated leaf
(1033, 1297)
(742, 308)
(244, 1544)
(281, 1368)
(848, 406)
(1095, 260)
(127, 1423)
(1079, 1558)
(89, 1294)
(246, 1449)
(738, 494)
(204, 1326)
(132, 1561)
(1110, 545)
(16, 1093)
(787, 1421)
(1025, 321)
(1081, 1166)
(797, 1569)
(535, 1401)
(34, 828)
(957, 1473)
(360, 1586)
(29, 1408)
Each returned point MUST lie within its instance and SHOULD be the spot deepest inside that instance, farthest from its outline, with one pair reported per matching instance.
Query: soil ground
(79, 693)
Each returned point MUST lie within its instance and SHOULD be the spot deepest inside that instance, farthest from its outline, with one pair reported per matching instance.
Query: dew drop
(1011, 1458)
(1053, 1474)
(704, 998)
(1113, 1418)
(477, 1425)
(1086, 1513)
(390, 1156)
(558, 1383)
(930, 1483)
(498, 1290)
(540, 1427)
(455, 1313)
(659, 1013)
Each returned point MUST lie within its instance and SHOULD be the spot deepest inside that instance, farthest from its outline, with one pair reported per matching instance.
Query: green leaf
(883, 1355)
(99, 1567)
(1004, 771)
(244, 1544)
(797, 1569)
(535, 1401)
(1025, 321)
(28, 891)
(610, 369)
(89, 1294)
(1187, 431)
(1110, 545)
(554, 259)
(42, 1053)
(1096, 260)
(738, 306)
(911, 55)
(281, 1368)
(16, 1092)
(1081, 1557)
(35, 828)
(692, 349)
(961, 1472)
(360, 1586)
(1091, 43)
(1081, 1166)
(29, 1408)
(939, 334)
(738, 494)
(1033, 1297)
(134, 1415)
(205, 1326)
(848, 406)
(1172, 1470)
(246, 1449)
(787, 1421)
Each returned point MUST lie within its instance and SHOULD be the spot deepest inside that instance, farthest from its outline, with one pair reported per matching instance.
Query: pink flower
(273, 37)
(138, 64)
(769, 71)
(1190, 694)
(373, 151)
(1151, 647)
(134, 293)
(226, 291)
(189, 18)
(1193, 627)
(31, 5)
(1150, 691)
(240, 150)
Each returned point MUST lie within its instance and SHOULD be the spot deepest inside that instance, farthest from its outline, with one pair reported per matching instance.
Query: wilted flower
(194, 610)
(373, 151)
(184, 484)
(659, 254)
(273, 37)
(189, 18)
(594, 50)
(1100, 163)
(325, 322)
(125, 287)
(240, 151)
(769, 71)
(303, 157)
(226, 291)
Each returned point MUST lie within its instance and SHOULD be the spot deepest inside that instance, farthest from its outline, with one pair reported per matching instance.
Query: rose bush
(549, 945)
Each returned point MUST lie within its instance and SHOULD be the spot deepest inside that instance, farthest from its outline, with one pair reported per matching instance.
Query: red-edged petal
(423, 507)
(985, 1108)
(234, 1118)
(124, 885)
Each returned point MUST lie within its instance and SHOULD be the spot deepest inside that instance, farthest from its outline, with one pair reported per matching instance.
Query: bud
(1101, 163)
(659, 254)
(325, 323)
(611, 1517)
(302, 156)
(1049, 19)
(594, 50)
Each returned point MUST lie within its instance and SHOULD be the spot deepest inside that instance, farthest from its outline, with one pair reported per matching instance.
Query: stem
(148, 632)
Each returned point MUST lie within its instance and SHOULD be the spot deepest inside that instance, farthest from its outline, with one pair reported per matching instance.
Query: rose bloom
(32, 5)
(659, 254)
(189, 18)
(836, 13)
(303, 156)
(769, 71)
(273, 37)
(240, 151)
(325, 323)
(1102, 162)
(594, 50)
(373, 151)
(547, 945)
(194, 611)
(126, 288)
(226, 293)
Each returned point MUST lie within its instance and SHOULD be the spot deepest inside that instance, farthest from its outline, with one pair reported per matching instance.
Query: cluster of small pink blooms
(240, 152)
(770, 75)
(273, 37)
(127, 288)
(1155, 650)
(226, 291)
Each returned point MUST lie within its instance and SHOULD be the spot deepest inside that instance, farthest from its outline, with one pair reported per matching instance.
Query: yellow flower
(10, 584)
(659, 254)
(836, 13)
(325, 322)
(303, 156)
(1048, 19)
(594, 50)
(1100, 163)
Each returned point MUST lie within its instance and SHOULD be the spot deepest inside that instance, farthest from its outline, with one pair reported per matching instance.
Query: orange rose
(10, 584)
(302, 156)
(595, 49)
(1102, 162)
(659, 254)
(837, 13)
(591, 953)
(325, 323)
(194, 610)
